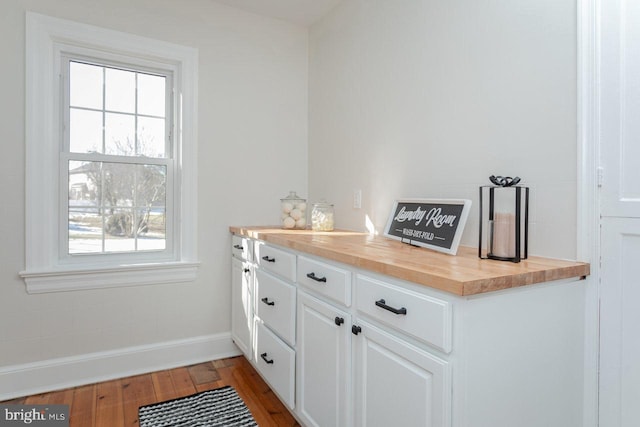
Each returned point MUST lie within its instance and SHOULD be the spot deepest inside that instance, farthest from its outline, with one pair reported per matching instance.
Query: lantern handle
(504, 181)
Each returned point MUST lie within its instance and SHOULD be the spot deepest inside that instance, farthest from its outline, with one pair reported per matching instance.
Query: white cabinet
(324, 355)
(351, 372)
(242, 297)
(347, 370)
(345, 346)
(397, 384)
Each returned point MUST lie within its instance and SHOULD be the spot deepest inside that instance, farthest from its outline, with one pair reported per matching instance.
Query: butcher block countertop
(462, 274)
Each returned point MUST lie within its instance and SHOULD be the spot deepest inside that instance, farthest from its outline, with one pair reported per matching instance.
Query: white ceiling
(302, 12)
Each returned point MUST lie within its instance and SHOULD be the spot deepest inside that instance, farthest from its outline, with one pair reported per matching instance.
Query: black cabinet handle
(355, 330)
(238, 247)
(246, 270)
(339, 320)
(313, 276)
(266, 301)
(266, 258)
(264, 357)
(394, 310)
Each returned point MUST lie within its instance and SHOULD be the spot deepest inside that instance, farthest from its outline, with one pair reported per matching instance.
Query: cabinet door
(397, 384)
(324, 352)
(241, 305)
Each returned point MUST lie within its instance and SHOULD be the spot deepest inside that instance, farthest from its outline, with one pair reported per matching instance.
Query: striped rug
(213, 408)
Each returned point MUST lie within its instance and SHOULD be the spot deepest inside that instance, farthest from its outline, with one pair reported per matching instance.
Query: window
(111, 158)
(116, 157)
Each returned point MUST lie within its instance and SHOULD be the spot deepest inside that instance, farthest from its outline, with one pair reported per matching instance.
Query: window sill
(38, 282)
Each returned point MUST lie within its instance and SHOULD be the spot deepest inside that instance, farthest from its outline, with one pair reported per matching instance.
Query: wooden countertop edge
(538, 270)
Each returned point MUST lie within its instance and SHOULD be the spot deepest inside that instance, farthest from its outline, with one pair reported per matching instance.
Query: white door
(620, 323)
(324, 353)
(397, 384)
(619, 108)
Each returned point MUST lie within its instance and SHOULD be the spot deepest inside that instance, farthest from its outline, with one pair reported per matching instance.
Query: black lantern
(504, 220)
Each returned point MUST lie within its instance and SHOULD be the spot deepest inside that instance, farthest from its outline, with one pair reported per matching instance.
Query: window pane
(151, 185)
(118, 184)
(151, 95)
(85, 85)
(85, 231)
(152, 231)
(120, 231)
(119, 134)
(85, 131)
(151, 141)
(120, 90)
(151, 201)
(85, 219)
(84, 178)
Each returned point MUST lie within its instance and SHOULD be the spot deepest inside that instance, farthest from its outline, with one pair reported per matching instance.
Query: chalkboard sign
(431, 223)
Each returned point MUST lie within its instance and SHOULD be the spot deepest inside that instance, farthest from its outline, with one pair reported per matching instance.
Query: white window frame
(48, 269)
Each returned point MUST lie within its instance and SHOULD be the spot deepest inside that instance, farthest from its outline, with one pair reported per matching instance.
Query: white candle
(504, 236)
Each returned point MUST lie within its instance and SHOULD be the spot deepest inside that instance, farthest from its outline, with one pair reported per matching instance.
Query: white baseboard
(57, 374)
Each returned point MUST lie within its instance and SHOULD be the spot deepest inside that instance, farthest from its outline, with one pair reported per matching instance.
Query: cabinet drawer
(277, 261)
(325, 279)
(275, 304)
(242, 247)
(276, 362)
(421, 316)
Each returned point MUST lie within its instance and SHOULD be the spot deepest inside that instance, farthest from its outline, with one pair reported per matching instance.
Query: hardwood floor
(115, 403)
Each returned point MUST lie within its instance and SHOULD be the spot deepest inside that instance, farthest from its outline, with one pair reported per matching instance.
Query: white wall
(427, 98)
(406, 98)
(252, 108)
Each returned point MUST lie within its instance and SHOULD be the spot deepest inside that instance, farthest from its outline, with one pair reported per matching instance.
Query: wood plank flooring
(115, 403)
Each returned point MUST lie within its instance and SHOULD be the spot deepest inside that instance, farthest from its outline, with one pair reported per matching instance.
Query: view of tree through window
(117, 159)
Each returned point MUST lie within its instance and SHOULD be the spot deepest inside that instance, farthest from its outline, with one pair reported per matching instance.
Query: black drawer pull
(339, 320)
(313, 276)
(266, 301)
(355, 330)
(382, 304)
(266, 258)
(238, 247)
(264, 357)
(246, 270)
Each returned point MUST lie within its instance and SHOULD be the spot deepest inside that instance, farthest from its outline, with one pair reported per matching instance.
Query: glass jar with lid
(293, 211)
(322, 216)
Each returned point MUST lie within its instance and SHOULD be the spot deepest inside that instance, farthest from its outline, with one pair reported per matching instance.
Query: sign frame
(422, 208)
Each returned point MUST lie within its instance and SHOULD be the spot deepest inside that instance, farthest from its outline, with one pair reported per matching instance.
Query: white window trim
(45, 37)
